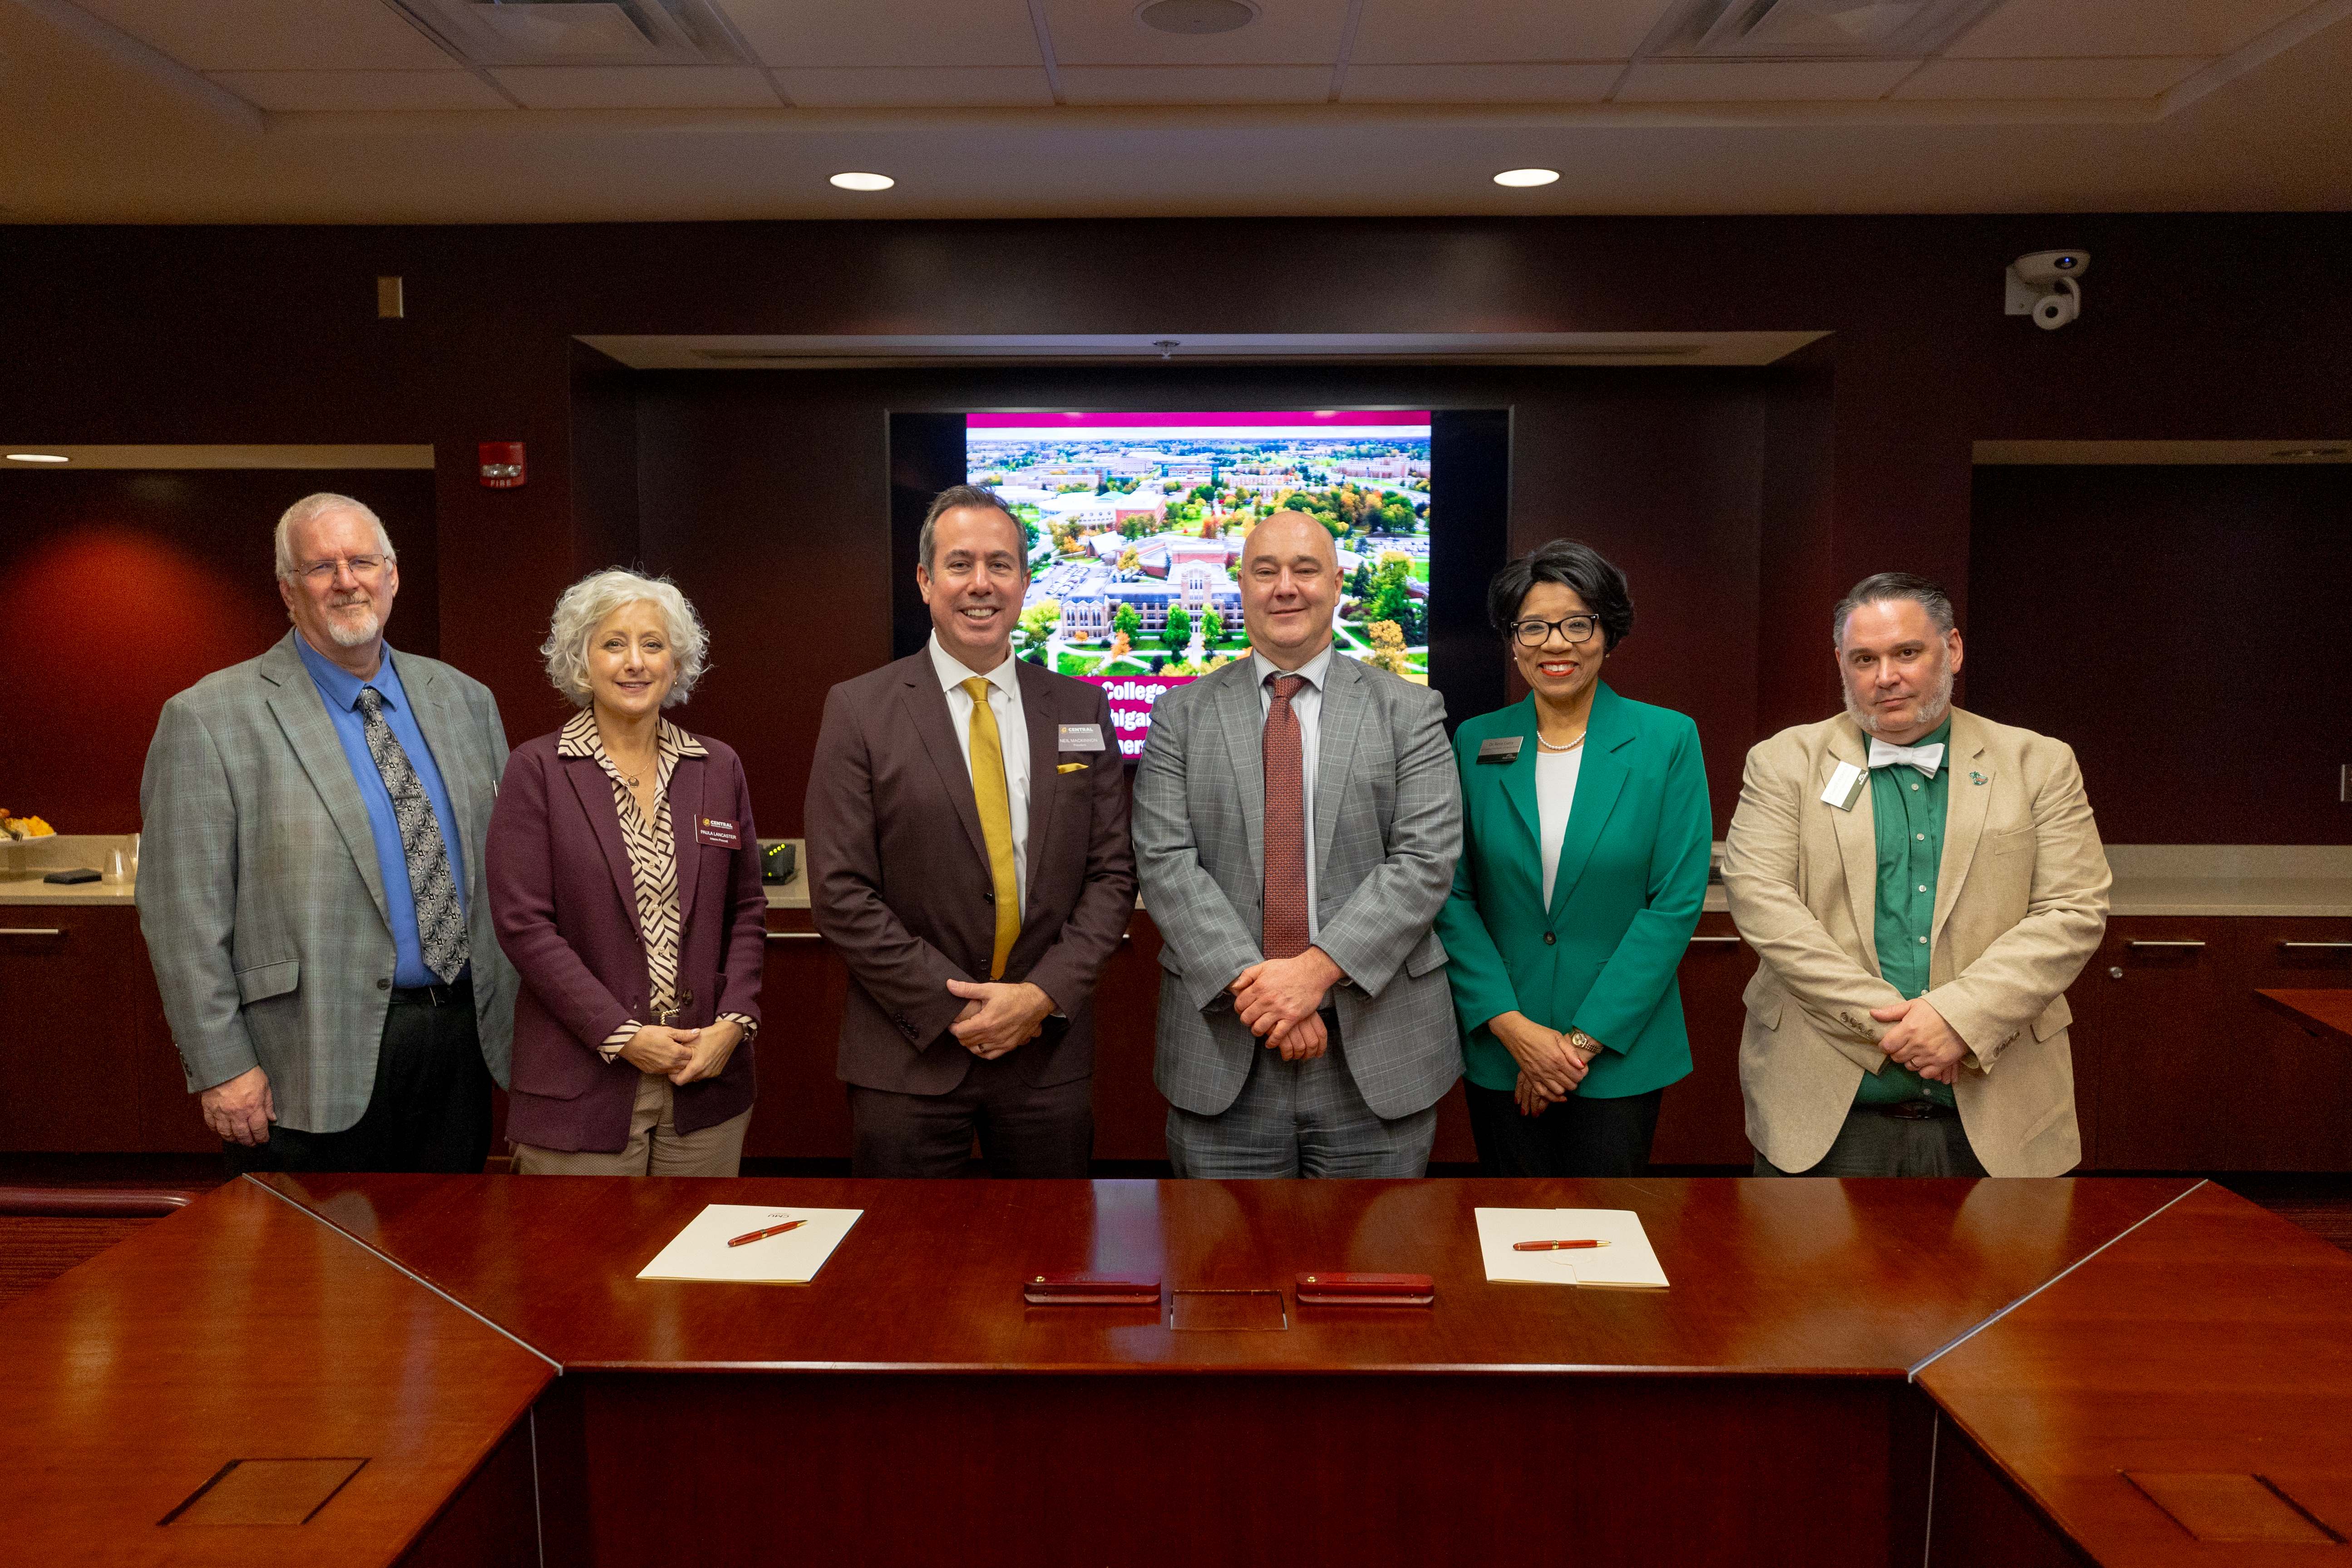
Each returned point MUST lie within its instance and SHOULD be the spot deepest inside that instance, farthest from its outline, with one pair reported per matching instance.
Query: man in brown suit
(969, 859)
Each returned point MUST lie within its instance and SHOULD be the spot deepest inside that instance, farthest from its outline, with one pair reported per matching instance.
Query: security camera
(2044, 267)
(2042, 285)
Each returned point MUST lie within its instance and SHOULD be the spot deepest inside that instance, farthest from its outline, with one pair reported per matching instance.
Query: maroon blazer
(566, 913)
(899, 884)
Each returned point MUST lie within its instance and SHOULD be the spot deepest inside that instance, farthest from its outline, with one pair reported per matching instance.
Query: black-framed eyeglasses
(1574, 628)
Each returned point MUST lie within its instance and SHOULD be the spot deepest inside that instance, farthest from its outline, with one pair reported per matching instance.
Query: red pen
(772, 1230)
(1552, 1245)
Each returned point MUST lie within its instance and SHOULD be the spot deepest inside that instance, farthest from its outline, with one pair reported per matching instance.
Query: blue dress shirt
(340, 690)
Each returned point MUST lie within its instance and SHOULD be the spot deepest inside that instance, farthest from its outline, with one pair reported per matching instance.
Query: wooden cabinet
(803, 1111)
(169, 1121)
(66, 1059)
(1703, 1119)
(2178, 1067)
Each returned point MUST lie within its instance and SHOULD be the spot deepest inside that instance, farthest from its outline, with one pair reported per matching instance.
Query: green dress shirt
(1909, 813)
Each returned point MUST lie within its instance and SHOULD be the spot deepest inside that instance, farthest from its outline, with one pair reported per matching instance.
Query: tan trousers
(655, 1147)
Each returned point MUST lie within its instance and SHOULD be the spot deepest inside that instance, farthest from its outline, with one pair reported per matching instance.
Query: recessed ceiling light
(36, 458)
(1195, 16)
(864, 182)
(1526, 176)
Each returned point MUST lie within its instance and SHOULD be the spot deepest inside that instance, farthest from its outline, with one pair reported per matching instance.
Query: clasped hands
(1551, 1069)
(1921, 1040)
(998, 1014)
(1281, 1001)
(683, 1056)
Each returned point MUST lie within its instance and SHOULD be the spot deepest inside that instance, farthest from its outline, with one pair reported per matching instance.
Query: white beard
(349, 632)
(1931, 710)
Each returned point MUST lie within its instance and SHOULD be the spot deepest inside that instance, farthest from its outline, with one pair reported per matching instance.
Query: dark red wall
(2184, 629)
(119, 588)
(1859, 462)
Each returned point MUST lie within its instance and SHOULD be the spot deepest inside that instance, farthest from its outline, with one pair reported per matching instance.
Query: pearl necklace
(1544, 745)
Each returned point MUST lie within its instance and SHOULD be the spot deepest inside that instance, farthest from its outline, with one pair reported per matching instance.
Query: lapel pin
(1975, 778)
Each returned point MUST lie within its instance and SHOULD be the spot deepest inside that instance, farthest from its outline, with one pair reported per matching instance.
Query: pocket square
(1071, 768)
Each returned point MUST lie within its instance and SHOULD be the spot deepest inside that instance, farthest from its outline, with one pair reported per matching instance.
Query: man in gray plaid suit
(311, 884)
(1297, 821)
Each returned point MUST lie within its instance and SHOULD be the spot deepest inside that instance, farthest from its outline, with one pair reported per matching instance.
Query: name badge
(1081, 738)
(1844, 786)
(712, 831)
(1501, 749)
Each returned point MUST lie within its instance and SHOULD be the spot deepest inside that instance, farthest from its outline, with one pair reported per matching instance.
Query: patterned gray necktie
(440, 924)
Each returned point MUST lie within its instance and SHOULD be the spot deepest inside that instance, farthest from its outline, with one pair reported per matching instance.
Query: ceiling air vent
(1811, 29)
(578, 31)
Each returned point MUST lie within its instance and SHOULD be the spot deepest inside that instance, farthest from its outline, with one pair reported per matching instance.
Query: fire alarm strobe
(502, 465)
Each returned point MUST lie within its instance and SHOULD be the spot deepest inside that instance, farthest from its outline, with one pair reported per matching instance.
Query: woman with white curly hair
(625, 884)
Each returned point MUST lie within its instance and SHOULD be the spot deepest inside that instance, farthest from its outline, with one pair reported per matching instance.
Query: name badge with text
(1501, 749)
(1081, 738)
(721, 835)
(1844, 786)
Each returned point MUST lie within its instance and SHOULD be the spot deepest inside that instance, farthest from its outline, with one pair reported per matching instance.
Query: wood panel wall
(1740, 516)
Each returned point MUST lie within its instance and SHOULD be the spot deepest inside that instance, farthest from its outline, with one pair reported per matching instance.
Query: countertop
(2184, 881)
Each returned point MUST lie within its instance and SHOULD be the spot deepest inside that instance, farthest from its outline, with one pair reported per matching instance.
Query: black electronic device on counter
(779, 859)
(70, 878)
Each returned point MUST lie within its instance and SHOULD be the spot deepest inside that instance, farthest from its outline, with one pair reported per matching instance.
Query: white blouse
(1554, 793)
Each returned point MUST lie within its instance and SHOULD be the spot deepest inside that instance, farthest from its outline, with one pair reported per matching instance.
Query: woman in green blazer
(1586, 833)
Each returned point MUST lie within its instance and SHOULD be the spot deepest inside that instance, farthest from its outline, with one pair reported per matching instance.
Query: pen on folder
(763, 1235)
(1552, 1245)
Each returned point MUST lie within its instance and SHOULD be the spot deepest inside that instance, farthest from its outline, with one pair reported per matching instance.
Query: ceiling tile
(2039, 29)
(637, 86)
(352, 91)
(2045, 80)
(275, 34)
(877, 33)
(974, 87)
(1581, 82)
(1762, 82)
(1405, 32)
(1109, 32)
(1195, 84)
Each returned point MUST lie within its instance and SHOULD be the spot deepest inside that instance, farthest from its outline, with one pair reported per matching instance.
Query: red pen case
(1082, 1289)
(1323, 1289)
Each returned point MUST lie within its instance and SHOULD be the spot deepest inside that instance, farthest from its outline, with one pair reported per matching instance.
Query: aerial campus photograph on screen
(1135, 524)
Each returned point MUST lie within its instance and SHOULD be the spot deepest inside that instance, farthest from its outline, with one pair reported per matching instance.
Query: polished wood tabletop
(2205, 1358)
(243, 1330)
(2327, 1014)
(1768, 1277)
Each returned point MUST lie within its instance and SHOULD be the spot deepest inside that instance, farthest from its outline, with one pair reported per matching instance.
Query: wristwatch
(1583, 1045)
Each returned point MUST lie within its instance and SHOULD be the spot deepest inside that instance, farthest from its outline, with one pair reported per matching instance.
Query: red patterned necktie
(1286, 823)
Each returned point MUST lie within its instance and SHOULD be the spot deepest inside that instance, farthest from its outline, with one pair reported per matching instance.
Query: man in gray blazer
(310, 885)
(1297, 821)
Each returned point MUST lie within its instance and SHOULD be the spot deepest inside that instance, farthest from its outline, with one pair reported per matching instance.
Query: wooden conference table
(1829, 1355)
(2327, 1014)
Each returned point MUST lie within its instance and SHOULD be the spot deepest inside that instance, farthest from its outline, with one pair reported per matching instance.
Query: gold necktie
(996, 821)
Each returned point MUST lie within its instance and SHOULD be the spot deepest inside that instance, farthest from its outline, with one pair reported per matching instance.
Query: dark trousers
(1024, 1131)
(430, 1108)
(1875, 1143)
(1577, 1137)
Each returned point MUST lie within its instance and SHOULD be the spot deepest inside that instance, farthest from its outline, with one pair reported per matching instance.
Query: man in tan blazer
(1922, 886)
(969, 859)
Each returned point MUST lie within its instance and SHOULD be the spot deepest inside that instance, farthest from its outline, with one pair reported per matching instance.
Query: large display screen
(1135, 524)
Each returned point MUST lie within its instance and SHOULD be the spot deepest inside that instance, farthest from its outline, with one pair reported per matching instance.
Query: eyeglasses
(318, 573)
(1574, 628)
